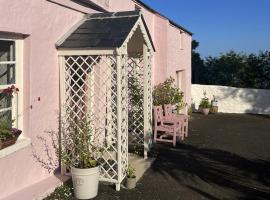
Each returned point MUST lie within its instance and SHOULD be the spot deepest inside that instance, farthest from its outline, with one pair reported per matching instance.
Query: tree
(197, 64)
(238, 70)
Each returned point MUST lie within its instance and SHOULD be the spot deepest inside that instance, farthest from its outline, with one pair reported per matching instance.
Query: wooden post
(119, 117)
(145, 99)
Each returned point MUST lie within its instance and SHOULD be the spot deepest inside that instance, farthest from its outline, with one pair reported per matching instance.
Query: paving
(226, 156)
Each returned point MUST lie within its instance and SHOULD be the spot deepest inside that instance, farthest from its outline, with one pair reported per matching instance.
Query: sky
(221, 25)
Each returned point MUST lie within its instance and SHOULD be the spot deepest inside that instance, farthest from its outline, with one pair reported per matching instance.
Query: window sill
(20, 144)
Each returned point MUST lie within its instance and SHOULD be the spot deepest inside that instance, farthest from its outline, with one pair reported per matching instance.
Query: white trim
(140, 24)
(7, 62)
(5, 109)
(17, 100)
(20, 144)
(88, 52)
(119, 118)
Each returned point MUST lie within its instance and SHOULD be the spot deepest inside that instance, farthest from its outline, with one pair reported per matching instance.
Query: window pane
(7, 50)
(5, 101)
(7, 74)
(6, 116)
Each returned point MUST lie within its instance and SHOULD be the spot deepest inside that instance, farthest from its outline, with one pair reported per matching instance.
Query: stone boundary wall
(234, 100)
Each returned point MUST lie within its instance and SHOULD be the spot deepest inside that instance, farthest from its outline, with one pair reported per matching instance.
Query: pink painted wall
(45, 23)
(169, 56)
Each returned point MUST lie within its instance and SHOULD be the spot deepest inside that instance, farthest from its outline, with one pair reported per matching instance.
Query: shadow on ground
(215, 174)
(226, 157)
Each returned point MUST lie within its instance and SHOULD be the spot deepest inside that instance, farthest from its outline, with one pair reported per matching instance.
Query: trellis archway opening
(109, 78)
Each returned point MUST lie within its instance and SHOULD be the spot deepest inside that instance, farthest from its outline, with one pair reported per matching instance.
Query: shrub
(167, 93)
(131, 172)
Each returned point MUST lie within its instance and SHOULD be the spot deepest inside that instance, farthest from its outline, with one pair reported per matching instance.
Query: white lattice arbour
(98, 82)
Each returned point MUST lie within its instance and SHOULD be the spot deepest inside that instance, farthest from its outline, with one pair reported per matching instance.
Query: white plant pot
(85, 182)
(205, 111)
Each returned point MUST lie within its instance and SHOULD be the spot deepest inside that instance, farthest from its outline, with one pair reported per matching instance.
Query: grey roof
(141, 3)
(171, 21)
(103, 30)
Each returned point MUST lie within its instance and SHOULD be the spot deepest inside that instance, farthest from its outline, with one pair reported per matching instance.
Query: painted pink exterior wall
(169, 56)
(44, 23)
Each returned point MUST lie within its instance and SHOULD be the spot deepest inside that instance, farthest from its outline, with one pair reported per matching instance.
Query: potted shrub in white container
(131, 178)
(205, 106)
(78, 153)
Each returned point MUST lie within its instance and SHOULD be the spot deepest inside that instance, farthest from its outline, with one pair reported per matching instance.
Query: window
(11, 59)
(180, 77)
(10, 66)
(182, 40)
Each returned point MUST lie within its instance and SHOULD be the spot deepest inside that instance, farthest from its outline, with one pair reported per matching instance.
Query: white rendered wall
(234, 100)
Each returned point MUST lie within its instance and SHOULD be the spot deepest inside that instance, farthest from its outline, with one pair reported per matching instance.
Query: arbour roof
(103, 30)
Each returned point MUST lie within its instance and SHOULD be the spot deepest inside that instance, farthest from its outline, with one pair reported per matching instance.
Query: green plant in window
(6, 130)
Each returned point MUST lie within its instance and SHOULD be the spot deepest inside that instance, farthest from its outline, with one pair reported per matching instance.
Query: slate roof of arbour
(103, 30)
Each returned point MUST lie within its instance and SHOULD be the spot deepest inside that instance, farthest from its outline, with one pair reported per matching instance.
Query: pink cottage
(82, 53)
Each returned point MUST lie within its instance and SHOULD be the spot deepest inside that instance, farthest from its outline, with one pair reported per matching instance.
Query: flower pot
(214, 109)
(7, 143)
(205, 111)
(85, 182)
(131, 183)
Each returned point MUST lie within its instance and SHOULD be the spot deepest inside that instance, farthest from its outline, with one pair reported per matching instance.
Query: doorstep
(140, 164)
(40, 190)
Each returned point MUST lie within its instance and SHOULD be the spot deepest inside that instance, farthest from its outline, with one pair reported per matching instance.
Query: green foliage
(236, 70)
(205, 103)
(167, 93)
(77, 148)
(61, 193)
(131, 172)
(197, 63)
(5, 130)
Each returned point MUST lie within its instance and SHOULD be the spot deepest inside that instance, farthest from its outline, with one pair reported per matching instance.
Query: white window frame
(17, 100)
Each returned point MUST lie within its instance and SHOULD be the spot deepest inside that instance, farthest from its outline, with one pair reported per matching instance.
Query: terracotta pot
(131, 183)
(205, 111)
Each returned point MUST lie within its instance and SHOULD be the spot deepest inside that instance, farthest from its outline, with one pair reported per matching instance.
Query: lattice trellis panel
(148, 76)
(136, 96)
(111, 90)
(124, 128)
(91, 90)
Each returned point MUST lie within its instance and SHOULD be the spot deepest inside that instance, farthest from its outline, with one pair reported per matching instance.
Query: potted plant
(131, 178)
(8, 135)
(78, 153)
(214, 105)
(205, 106)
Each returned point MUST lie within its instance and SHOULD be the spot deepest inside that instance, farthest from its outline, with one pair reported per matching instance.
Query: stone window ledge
(20, 144)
